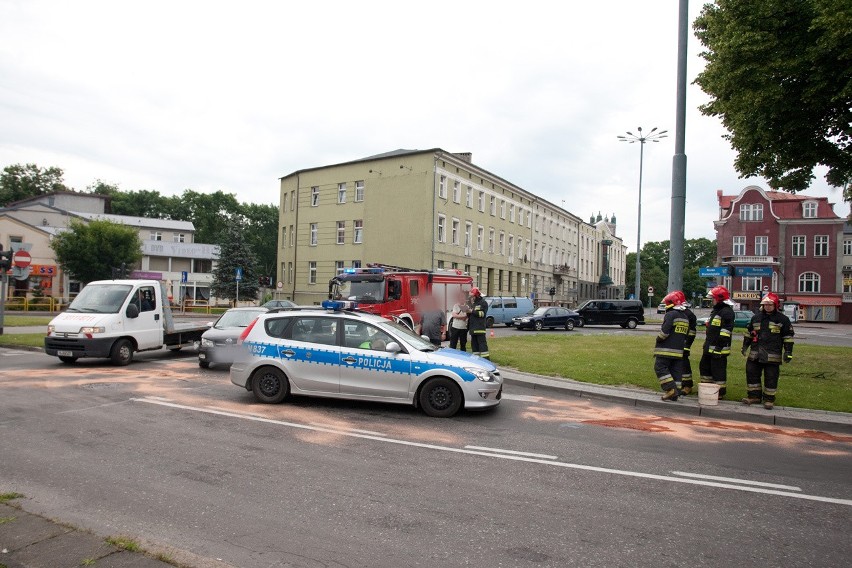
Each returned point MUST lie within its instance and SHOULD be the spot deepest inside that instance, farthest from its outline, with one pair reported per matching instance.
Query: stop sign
(21, 259)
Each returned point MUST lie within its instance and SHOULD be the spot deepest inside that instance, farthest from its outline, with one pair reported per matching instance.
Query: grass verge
(22, 339)
(17, 321)
(818, 378)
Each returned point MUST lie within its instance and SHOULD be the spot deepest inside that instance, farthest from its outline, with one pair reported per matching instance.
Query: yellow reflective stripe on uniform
(725, 332)
(668, 352)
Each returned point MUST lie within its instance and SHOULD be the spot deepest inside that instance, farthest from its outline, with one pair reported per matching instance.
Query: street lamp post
(652, 136)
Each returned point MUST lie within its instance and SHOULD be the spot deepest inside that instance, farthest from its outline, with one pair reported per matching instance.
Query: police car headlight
(206, 343)
(480, 374)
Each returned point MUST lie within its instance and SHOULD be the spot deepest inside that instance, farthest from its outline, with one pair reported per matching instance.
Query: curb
(839, 422)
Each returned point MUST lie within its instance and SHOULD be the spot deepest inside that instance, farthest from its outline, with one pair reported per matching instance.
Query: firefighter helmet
(676, 298)
(719, 294)
(771, 298)
(475, 291)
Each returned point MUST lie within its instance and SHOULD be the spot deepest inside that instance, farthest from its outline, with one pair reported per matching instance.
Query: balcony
(564, 270)
(734, 260)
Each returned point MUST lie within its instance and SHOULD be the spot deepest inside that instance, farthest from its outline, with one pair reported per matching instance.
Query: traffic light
(553, 290)
(5, 258)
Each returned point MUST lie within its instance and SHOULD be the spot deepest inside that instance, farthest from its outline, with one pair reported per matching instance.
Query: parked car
(550, 317)
(349, 354)
(741, 318)
(626, 313)
(220, 341)
(661, 309)
(279, 304)
(504, 309)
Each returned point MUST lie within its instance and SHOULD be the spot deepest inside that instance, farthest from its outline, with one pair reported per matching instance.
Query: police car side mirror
(132, 311)
(393, 347)
(424, 337)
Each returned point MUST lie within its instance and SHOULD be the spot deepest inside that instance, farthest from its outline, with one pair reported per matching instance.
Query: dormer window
(809, 209)
(751, 212)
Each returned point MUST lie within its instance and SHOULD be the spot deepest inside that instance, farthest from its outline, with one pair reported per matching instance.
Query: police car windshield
(361, 292)
(103, 299)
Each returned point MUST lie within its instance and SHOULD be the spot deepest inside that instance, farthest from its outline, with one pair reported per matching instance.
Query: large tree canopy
(235, 252)
(780, 76)
(89, 251)
(655, 268)
(24, 181)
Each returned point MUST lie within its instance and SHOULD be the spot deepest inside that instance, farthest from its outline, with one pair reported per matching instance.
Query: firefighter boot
(768, 404)
(749, 400)
(670, 395)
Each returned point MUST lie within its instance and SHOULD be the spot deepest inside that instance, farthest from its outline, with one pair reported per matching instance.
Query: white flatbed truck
(116, 318)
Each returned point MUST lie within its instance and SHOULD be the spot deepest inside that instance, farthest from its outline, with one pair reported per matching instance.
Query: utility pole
(678, 213)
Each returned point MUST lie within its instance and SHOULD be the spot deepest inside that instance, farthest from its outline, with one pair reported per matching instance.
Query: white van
(501, 309)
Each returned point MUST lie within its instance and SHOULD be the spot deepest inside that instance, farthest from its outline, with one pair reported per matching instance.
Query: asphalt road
(182, 460)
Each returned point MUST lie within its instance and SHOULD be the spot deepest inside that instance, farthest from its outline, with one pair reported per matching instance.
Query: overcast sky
(210, 95)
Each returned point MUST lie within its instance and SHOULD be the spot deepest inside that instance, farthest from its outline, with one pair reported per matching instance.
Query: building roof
(782, 204)
(139, 221)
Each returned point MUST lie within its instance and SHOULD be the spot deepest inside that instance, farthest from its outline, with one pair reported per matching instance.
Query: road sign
(184, 276)
(239, 275)
(650, 290)
(19, 273)
(21, 258)
(280, 284)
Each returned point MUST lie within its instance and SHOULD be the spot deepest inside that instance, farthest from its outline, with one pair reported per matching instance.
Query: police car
(339, 352)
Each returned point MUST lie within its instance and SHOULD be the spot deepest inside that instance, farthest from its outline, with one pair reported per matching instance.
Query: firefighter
(686, 386)
(769, 335)
(476, 324)
(717, 342)
(669, 347)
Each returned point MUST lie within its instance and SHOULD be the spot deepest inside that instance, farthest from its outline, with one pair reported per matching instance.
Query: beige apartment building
(432, 209)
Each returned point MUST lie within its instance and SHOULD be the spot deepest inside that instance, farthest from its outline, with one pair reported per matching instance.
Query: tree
(261, 230)
(655, 267)
(210, 213)
(19, 182)
(89, 251)
(234, 252)
(780, 76)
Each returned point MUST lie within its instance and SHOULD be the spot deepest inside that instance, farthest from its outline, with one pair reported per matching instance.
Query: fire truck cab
(395, 293)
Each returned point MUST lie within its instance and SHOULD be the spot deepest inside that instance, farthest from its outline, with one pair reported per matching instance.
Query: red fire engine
(394, 292)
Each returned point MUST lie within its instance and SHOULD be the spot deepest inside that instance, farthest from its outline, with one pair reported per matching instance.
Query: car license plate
(65, 353)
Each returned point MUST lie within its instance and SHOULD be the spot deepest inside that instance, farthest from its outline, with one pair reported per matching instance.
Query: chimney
(466, 156)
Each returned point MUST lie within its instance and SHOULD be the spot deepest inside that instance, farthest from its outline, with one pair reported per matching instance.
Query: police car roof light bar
(338, 305)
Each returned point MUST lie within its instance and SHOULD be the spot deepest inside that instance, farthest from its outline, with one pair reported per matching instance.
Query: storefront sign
(746, 295)
(42, 270)
(141, 275)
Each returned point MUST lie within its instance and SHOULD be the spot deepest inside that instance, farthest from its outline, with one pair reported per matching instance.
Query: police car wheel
(270, 385)
(440, 398)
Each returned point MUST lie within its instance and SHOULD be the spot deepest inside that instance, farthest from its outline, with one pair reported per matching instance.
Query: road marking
(521, 397)
(339, 429)
(513, 452)
(735, 480)
(627, 473)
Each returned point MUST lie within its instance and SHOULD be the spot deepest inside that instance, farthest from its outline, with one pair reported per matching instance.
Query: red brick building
(786, 243)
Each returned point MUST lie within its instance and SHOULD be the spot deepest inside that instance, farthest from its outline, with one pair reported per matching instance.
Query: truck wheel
(204, 364)
(122, 352)
(489, 322)
(270, 385)
(440, 397)
(631, 323)
(581, 322)
(68, 360)
(538, 326)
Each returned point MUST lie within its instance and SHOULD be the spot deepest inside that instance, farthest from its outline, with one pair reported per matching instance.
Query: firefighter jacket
(673, 333)
(476, 319)
(720, 326)
(768, 334)
(690, 335)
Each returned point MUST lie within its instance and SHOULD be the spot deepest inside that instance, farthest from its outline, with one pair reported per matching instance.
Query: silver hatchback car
(343, 353)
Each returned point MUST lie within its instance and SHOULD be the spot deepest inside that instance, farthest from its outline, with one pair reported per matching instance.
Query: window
(293, 200)
(739, 246)
(493, 206)
(312, 272)
(799, 245)
(751, 212)
(456, 192)
(442, 229)
(511, 249)
(500, 242)
(314, 231)
(292, 236)
(341, 232)
(809, 282)
(468, 196)
(761, 246)
(341, 193)
(482, 201)
(520, 217)
(480, 231)
(179, 238)
(442, 187)
(359, 190)
(289, 273)
(156, 236)
(283, 236)
(821, 245)
(491, 240)
(809, 209)
(455, 232)
(468, 232)
(847, 247)
(359, 231)
(339, 266)
(314, 196)
(752, 284)
(512, 213)
(502, 209)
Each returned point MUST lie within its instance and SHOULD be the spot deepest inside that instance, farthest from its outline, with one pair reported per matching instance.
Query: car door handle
(350, 359)
(288, 352)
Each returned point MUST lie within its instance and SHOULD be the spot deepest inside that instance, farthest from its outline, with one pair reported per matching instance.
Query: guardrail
(46, 304)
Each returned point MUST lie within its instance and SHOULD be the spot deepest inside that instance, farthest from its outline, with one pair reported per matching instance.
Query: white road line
(665, 478)
(735, 480)
(339, 429)
(513, 452)
(521, 397)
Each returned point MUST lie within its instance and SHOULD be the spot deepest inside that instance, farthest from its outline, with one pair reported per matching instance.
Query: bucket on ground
(708, 394)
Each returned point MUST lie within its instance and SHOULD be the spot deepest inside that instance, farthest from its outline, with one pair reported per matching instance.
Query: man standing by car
(476, 324)
(717, 343)
(458, 323)
(769, 333)
(668, 351)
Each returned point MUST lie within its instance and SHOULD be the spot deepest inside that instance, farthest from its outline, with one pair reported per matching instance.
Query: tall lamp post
(652, 136)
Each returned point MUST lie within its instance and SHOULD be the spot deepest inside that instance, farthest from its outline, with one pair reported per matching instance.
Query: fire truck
(395, 293)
